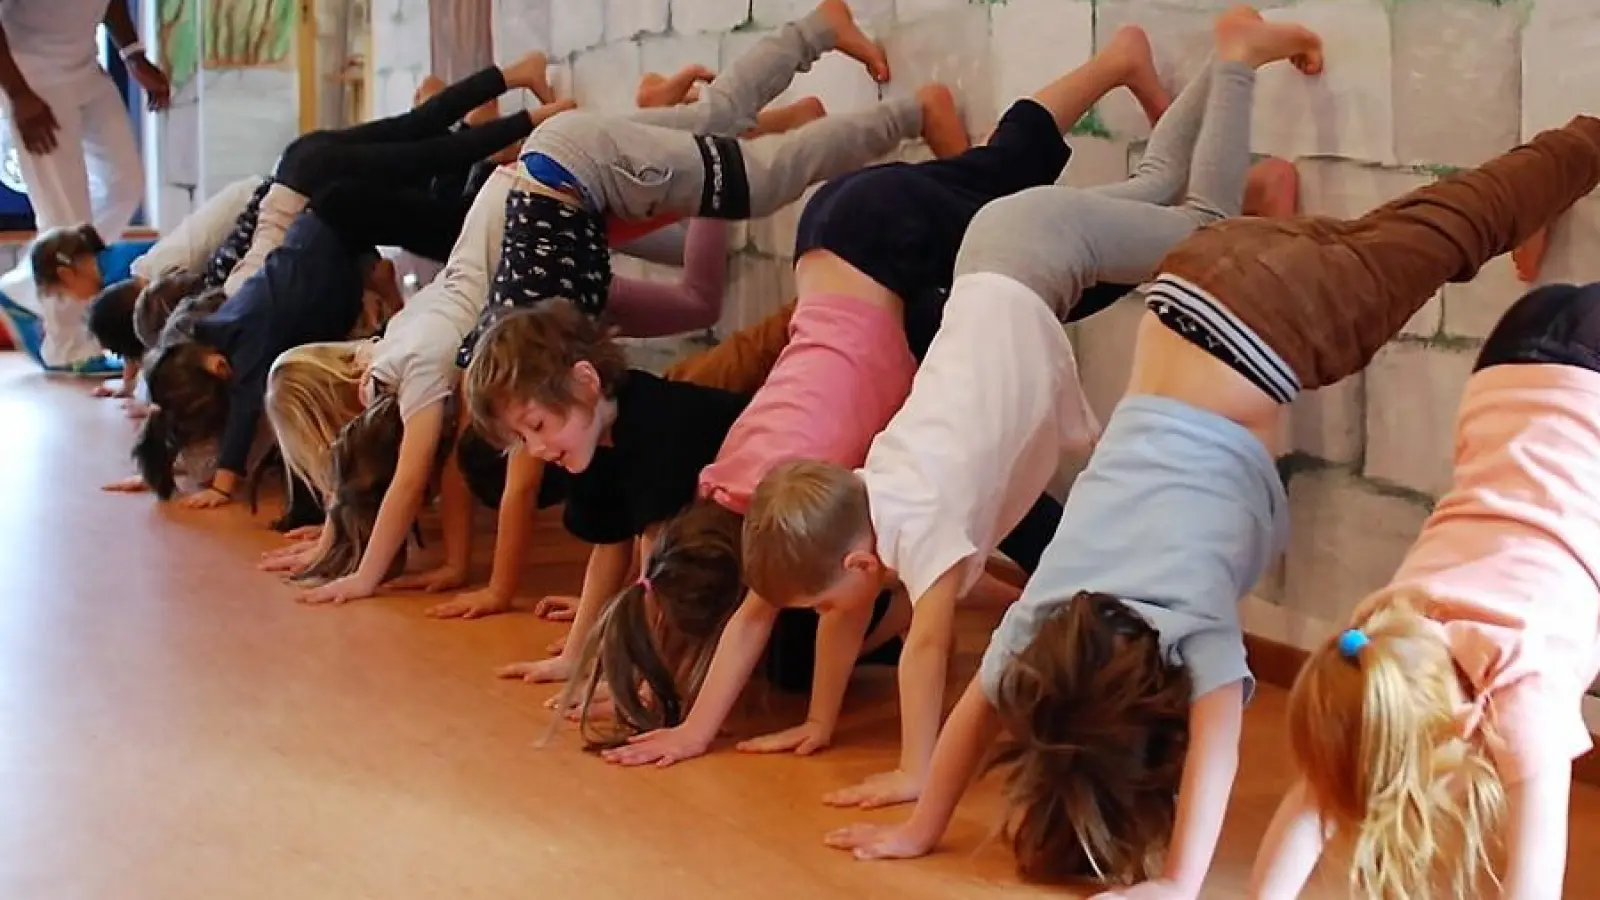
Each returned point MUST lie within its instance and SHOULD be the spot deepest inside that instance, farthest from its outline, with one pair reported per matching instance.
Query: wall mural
(223, 34)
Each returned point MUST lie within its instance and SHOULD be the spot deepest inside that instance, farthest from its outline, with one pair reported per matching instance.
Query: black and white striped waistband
(1254, 359)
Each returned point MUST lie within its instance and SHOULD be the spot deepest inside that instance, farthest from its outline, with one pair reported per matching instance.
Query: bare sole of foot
(657, 90)
(1130, 45)
(1244, 36)
(532, 72)
(431, 85)
(849, 39)
(942, 128)
(1272, 190)
(1529, 258)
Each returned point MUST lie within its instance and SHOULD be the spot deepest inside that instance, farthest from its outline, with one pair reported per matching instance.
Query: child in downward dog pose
(1120, 675)
(311, 402)
(875, 250)
(1452, 707)
(924, 508)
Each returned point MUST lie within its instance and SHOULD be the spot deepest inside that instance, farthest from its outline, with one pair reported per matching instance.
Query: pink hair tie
(649, 588)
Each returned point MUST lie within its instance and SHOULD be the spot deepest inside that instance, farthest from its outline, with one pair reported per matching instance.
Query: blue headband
(1351, 642)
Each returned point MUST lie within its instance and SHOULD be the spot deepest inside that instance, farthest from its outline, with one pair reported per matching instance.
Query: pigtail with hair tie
(153, 453)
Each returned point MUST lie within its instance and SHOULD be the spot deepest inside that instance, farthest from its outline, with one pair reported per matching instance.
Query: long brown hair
(654, 642)
(1376, 737)
(189, 406)
(61, 248)
(365, 456)
(1098, 719)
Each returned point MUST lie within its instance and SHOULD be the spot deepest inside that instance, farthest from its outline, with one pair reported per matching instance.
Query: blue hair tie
(1351, 641)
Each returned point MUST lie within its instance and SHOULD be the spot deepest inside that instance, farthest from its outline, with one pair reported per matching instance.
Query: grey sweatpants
(649, 163)
(1060, 241)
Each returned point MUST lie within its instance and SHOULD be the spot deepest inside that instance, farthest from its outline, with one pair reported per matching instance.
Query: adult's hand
(157, 88)
(36, 122)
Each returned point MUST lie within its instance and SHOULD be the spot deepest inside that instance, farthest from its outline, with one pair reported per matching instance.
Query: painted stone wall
(1412, 88)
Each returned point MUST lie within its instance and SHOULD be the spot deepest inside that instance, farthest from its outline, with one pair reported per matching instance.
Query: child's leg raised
(643, 308)
(1323, 296)
(731, 103)
(450, 104)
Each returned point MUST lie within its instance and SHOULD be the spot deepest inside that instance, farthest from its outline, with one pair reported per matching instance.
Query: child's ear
(862, 561)
(217, 365)
(586, 380)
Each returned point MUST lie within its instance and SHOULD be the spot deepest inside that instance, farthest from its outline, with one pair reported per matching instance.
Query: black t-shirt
(665, 433)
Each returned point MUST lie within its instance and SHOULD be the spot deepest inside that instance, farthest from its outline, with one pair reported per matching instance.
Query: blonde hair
(313, 391)
(804, 517)
(1376, 736)
(528, 354)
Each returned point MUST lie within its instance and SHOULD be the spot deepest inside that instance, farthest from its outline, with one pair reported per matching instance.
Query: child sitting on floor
(1445, 719)
(1120, 675)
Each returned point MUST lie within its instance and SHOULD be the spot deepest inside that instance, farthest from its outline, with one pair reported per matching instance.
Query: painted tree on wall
(247, 34)
(177, 40)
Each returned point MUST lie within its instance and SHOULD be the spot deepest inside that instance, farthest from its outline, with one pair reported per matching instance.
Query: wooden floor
(174, 727)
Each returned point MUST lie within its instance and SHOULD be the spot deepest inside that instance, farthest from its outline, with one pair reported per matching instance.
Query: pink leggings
(642, 308)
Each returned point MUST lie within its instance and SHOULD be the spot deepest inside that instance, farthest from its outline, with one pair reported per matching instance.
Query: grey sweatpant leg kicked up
(1058, 241)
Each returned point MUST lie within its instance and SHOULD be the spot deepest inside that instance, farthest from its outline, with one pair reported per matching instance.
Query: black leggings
(1557, 323)
(371, 214)
(409, 148)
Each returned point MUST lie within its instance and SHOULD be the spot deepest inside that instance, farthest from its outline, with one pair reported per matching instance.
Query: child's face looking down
(858, 584)
(567, 437)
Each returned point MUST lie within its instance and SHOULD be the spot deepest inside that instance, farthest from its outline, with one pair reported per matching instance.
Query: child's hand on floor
(883, 789)
(136, 410)
(104, 389)
(303, 533)
(342, 590)
(804, 739)
(662, 747)
(557, 646)
(556, 608)
(557, 668)
(133, 484)
(210, 498)
(472, 605)
(291, 560)
(600, 701)
(880, 841)
(1148, 890)
(433, 581)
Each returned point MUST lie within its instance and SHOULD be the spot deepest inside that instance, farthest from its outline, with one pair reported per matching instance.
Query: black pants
(1557, 323)
(407, 149)
(370, 214)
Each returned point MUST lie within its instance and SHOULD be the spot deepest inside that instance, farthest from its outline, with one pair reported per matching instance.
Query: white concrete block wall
(1412, 89)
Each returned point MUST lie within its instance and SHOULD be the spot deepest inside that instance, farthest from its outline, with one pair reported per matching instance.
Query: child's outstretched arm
(1290, 851)
(1536, 841)
(419, 443)
(602, 579)
(455, 514)
(738, 650)
(1216, 722)
(840, 635)
(923, 665)
(972, 728)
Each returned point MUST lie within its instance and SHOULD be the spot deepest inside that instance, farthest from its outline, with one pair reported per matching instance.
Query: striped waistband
(1255, 359)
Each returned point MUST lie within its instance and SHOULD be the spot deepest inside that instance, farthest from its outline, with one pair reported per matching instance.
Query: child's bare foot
(942, 128)
(779, 119)
(431, 85)
(657, 90)
(1129, 49)
(1529, 257)
(533, 73)
(849, 39)
(1243, 36)
(547, 110)
(1272, 190)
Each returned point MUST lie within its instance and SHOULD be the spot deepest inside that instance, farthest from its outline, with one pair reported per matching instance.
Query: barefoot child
(875, 251)
(1120, 674)
(401, 153)
(579, 168)
(925, 509)
(1452, 707)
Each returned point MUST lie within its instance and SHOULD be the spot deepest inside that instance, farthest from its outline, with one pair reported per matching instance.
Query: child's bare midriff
(1167, 365)
(825, 272)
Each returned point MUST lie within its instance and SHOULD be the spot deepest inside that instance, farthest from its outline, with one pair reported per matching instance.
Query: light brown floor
(173, 726)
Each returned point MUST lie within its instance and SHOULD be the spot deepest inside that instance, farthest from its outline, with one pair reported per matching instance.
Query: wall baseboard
(1276, 663)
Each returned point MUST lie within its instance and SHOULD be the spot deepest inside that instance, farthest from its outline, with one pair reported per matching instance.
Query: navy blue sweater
(309, 290)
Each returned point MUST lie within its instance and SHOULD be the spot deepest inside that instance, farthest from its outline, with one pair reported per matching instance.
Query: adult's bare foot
(778, 119)
(533, 73)
(1272, 190)
(1244, 36)
(849, 39)
(1130, 49)
(656, 90)
(942, 128)
(1529, 257)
